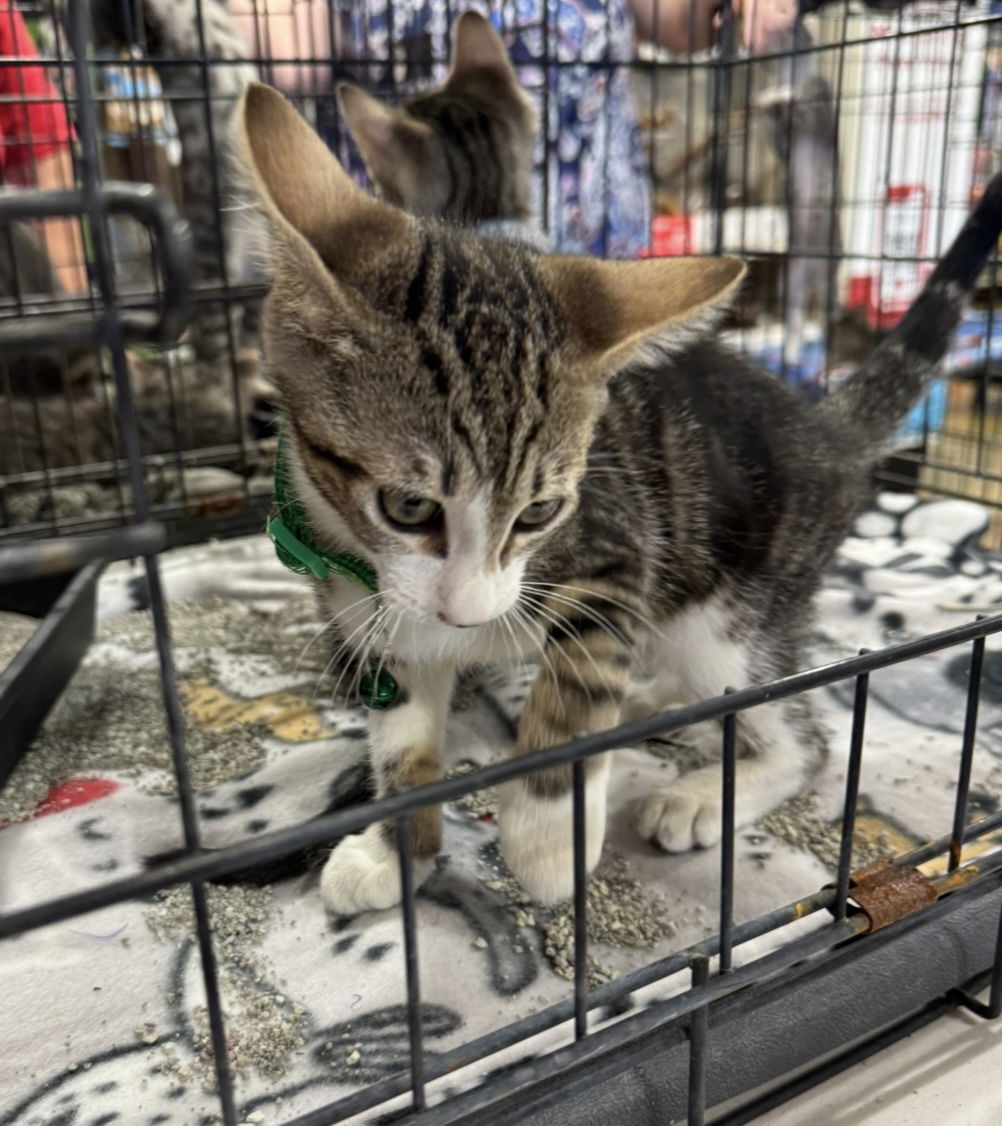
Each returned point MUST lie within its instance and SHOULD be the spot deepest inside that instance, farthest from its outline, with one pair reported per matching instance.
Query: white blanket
(103, 1018)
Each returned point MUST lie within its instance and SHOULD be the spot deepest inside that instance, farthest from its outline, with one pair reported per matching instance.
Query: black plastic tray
(35, 679)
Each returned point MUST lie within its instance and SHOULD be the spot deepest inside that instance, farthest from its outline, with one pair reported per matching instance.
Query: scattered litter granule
(479, 804)
(796, 821)
(621, 912)
(111, 716)
(264, 1027)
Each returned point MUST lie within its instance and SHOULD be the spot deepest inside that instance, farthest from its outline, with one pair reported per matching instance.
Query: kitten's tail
(875, 399)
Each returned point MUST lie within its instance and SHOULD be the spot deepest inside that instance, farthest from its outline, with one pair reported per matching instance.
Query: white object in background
(908, 129)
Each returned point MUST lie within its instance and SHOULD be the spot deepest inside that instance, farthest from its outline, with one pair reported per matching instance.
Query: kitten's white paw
(682, 817)
(363, 874)
(537, 837)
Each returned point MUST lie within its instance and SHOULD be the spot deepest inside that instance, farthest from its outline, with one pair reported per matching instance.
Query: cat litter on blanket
(481, 803)
(237, 628)
(264, 1027)
(94, 727)
(621, 913)
(797, 822)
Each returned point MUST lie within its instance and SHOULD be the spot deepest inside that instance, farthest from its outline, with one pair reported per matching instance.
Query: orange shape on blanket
(977, 847)
(291, 718)
(874, 827)
(898, 842)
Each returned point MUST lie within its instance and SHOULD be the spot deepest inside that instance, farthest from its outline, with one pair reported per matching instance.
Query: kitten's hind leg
(777, 743)
(405, 742)
(774, 755)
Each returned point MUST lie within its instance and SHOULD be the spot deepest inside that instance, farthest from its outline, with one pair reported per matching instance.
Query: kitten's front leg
(580, 688)
(405, 750)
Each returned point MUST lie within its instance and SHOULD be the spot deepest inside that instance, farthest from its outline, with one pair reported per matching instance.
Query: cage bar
(697, 1046)
(405, 847)
(853, 771)
(967, 750)
(580, 832)
(728, 772)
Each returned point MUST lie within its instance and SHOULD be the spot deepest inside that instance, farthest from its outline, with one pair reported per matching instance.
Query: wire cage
(133, 408)
(840, 166)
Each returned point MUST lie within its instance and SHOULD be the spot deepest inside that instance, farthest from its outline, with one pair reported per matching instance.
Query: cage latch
(886, 893)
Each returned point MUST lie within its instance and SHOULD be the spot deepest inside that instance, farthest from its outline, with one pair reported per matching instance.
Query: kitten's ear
(316, 207)
(386, 137)
(618, 310)
(477, 47)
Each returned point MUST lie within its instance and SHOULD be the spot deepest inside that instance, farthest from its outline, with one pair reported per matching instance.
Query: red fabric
(30, 128)
(74, 792)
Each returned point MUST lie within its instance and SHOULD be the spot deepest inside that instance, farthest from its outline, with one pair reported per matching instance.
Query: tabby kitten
(551, 458)
(462, 152)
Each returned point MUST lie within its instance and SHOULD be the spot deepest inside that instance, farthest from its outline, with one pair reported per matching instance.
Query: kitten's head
(442, 390)
(462, 152)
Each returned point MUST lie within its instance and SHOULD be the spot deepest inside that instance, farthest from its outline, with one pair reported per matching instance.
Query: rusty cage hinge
(886, 893)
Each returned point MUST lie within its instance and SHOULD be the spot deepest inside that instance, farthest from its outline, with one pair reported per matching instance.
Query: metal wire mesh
(198, 867)
(840, 162)
(717, 191)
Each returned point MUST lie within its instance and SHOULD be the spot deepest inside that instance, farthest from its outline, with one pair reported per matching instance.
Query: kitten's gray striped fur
(444, 392)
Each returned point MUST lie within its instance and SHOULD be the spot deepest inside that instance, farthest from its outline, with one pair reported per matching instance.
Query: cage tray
(37, 675)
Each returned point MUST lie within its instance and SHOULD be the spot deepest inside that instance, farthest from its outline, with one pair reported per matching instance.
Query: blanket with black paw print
(104, 1016)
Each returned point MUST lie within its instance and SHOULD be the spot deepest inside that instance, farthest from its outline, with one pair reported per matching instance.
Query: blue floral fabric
(592, 182)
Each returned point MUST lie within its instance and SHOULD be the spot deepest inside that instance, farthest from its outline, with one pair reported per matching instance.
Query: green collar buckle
(289, 532)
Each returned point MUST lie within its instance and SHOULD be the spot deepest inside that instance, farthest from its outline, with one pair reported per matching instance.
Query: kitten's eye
(537, 514)
(409, 512)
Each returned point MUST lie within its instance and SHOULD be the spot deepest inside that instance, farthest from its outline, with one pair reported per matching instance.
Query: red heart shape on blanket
(73, 792)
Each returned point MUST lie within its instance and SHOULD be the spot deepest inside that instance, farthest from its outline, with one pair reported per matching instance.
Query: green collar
(290, 533)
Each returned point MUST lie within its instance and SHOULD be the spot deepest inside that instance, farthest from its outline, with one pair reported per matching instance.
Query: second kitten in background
(462, 152)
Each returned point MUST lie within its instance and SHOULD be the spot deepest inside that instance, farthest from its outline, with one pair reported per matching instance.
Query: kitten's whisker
(558, 620)
(591, 613)
(320, 632)
(543, 655)
(523, 620)
(607, 626)
(560, 588)
(555, 590)
(355, 665)
(390, 606)
(388, 643)
(517, 651)
(508, 637)
(333, 622)
(554, 622)
(345, 646)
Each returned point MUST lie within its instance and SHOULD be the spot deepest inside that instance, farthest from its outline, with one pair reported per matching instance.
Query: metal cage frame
(940, 456)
